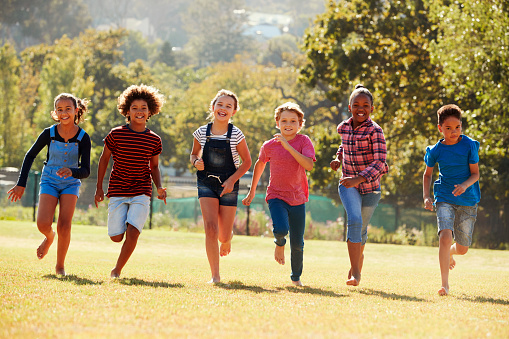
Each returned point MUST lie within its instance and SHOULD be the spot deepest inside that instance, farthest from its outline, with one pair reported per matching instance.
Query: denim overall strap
(217, 156)
(63, 154)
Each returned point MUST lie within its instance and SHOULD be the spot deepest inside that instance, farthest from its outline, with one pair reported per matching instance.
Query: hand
(16, 193)
(99, 196)
(199, 164)
(428, 204)
(335, 164)
(228, 186)
(281, 139)
(349, 182)
(248, 199)
(459, 189)
(161, 194)
(64, 173)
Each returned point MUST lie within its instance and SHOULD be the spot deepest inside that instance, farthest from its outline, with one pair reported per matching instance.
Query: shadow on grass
(311, 290)
(239, 285)
(140, 282)
(393, 296)
(73, 278)
(480, 299)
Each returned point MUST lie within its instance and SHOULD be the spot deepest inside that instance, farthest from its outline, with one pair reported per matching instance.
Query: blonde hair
(220, 93)
(292, 107)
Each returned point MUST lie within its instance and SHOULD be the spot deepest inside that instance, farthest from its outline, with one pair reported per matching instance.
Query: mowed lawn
(163, 291)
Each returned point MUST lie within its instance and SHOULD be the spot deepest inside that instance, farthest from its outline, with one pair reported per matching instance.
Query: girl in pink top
(290, 154)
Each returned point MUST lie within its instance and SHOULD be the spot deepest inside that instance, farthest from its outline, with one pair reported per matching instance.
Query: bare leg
(210, 213)
(361, 262)
(131, 240)
(45, 213)
(279, 254)
(226, 218)
(66, 212)
(444, 257)
(354, 251)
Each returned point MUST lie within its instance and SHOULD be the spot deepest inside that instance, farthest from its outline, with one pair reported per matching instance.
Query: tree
(32, 22)
(383, 45)
(215, 30)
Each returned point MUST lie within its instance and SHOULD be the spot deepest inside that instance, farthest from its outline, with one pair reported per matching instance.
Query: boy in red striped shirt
(135, 150)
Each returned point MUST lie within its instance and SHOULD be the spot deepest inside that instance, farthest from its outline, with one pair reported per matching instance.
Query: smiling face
(451, 130)
(361, 108)
(289, 124)
(224, 108)
(65, 112)
(138, 113)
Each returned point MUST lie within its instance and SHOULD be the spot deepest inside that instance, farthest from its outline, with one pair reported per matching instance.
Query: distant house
(265, 26)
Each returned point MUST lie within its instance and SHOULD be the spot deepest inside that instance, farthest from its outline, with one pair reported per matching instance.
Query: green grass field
(163, 290)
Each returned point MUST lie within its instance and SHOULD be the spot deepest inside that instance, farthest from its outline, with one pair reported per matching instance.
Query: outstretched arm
(244, 154)
(101, 172)
(156, 177)
(426, 185)
(259, 167)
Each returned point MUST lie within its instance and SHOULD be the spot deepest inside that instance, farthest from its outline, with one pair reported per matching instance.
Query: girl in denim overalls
(216, 151)
(60, 179)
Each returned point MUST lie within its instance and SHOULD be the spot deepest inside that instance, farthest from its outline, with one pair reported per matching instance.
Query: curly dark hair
(149, 94)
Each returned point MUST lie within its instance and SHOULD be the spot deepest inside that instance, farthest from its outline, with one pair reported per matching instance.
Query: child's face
(451, 130)
(138, 112)
(224, 108)
(361, 107)
(65, 112)
(289, 124)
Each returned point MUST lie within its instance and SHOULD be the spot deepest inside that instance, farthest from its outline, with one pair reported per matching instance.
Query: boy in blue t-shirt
(456, 191)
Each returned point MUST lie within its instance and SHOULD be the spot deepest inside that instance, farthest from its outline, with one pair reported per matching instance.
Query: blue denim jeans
(459, 219)
(286, 218)
(359, 210)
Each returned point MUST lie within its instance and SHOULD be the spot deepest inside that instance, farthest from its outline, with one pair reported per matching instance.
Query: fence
(183, 203)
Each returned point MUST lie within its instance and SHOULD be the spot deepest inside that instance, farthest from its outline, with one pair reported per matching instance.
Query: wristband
(195, 160)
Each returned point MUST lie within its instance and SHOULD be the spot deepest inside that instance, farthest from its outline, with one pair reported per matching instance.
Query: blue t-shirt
(453, 166)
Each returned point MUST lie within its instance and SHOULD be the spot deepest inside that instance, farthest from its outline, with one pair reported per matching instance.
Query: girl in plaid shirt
(362, 153)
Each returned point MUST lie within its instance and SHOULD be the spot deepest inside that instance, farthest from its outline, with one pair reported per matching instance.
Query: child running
(456, 191)
(217, 148)
(362, 154)
(290, 154)
(67, 161)
(135, 150)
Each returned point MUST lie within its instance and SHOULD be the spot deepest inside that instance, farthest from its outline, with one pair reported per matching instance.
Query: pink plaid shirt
(363, 152)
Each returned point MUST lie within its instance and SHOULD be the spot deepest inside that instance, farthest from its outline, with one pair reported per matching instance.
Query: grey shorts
(459, 219)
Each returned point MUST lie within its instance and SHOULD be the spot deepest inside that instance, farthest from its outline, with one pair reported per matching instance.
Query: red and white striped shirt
(131, 151)
(363, 152)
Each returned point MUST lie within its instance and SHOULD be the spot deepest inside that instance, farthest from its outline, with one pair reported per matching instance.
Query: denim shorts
(211, 188)
(459, 219)
(53, 185)
(124, 210)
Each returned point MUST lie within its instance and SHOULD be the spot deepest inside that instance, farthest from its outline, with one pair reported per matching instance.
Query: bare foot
(226, 247)
(114, 274)
(60, 271)
(297, 283)
(360, 267)
(43, 248)
(279, 254)
(443, 291)
(353, 281)
(452, 262)
(214, 280)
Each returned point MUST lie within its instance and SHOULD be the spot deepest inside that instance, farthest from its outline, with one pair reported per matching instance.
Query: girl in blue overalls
(60, 179)
(218, 149)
